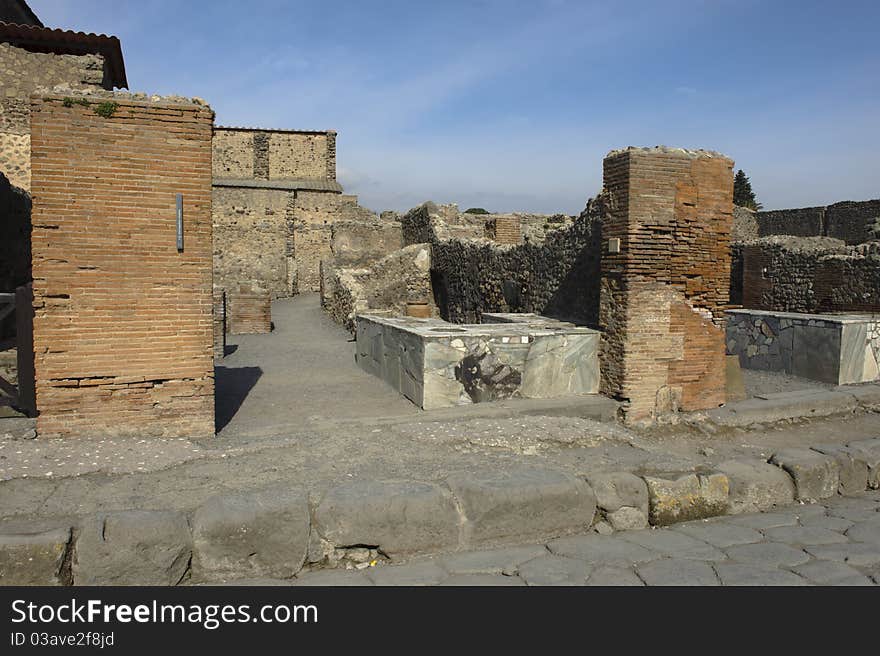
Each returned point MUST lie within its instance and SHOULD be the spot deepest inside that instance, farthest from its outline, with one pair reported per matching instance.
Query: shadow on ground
(232, 385)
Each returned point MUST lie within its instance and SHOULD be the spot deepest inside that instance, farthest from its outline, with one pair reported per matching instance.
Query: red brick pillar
(123, 320)
(665, 279)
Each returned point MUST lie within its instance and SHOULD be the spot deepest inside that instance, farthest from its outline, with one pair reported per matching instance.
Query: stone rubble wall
(123, 320)
(253, 242)
(811, 275)
(854, 222)
(24, 72)
(388, 285)
(554, 271)
(849, 222)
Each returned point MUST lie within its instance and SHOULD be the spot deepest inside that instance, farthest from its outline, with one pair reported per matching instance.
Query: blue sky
(512, 105)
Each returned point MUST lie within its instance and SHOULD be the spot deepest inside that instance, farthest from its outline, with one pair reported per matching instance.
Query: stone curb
(805, 404)
(280, 532)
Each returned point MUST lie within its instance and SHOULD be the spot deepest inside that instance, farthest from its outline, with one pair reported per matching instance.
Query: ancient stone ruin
(137, 236)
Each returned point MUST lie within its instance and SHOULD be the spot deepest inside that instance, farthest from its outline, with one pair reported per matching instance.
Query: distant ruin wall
(854, 222)
(556, 276)
(811, 275)
(851, 222)
(274, 154)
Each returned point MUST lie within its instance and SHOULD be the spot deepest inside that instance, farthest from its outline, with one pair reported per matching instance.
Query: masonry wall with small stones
(848, 223)
(810, 274)
(554, 271)
(22, 73)
(123, 321)
(275, 199)
(665, 284)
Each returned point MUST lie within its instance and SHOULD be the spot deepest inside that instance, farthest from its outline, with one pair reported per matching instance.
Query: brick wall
(664, 293)
(505, 229)
(123, 321)
(21, 73)
(248, 311)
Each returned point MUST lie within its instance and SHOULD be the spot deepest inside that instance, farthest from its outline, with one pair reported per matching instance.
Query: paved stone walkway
(836, 542)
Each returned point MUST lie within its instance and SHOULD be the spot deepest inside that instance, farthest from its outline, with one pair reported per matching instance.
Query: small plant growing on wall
(105, 109)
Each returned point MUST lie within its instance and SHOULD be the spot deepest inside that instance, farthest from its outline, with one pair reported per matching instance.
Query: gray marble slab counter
(436, 364)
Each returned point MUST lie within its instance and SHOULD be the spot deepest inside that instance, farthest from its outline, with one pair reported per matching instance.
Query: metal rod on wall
(180, 222)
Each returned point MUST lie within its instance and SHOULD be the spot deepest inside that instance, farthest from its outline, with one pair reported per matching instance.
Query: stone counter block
(436, 364)
(840, 349)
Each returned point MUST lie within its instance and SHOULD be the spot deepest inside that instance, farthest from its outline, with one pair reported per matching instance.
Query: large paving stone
(767, 554)
(524, 503)
(132, 547)
(34, 558)
(677, 571)
(398, 517)
(674, 545)
(607, 576)
(555, 570)
(491, 561)
(803, 535)
(816, 476)
(719, 534)
(682, 497)
(826, 572)
(422, 573)
(753, 575)
(622, 497)
(334, 578)
(761, 521)
(858, 554)
(602, 549)
(831, 523)
(482, 580)
(869, 450)
(756, 485)
(264, 533)
(852, 468)
(868, 531)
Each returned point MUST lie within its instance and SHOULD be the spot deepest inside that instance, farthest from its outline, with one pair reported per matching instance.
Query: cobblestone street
(836, 542)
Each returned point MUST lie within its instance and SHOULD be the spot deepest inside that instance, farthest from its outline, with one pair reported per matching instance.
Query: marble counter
(436, 364)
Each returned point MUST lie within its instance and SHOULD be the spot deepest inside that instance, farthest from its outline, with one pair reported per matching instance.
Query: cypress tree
(742, 192)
